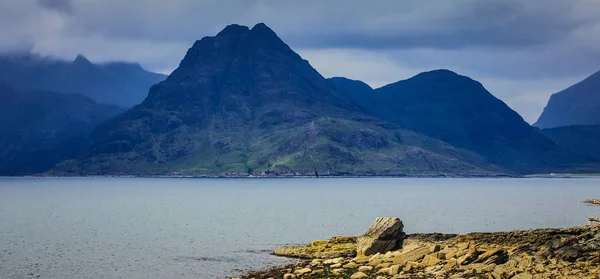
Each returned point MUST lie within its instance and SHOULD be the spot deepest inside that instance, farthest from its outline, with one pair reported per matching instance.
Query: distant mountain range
(41, 128)
(243, 103)
(117, 83)
(460, 111)
(576, 105)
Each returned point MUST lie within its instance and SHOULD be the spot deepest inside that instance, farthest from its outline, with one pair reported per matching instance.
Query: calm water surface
(209, 228)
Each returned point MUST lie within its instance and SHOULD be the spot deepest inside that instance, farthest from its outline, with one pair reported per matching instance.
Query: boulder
(384, 235)
(358, 275)
(493, 256)
(594, 221)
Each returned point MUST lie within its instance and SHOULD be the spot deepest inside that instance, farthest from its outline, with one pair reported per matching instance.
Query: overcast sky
(522, 51)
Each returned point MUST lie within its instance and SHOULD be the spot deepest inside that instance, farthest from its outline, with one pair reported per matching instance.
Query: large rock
(384, 235)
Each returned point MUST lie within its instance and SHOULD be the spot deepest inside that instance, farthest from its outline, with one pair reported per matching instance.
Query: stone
(383, 265)
(350, 265)
(384, 235)
(342, 239)
(594, 221)
(412, 255)
(428, 260)
(451, 264)
(358, 275)
(333, 261)
(337, 265)
(384, 271)
(395, 269)
(524, 275)
(365, 268)
(289, 276)
(469, 257)
(319, 242)
(435, 248)
(525, 261)
(302, 271)
(568, 253)
(493, 256)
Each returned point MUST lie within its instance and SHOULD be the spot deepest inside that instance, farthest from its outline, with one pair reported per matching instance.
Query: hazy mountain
(118, 83)
(576, 105)
(582, 139)
(40, 128)
(460, 111)
(243, 102)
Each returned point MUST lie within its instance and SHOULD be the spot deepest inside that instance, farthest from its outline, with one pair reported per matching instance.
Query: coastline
(521, 254)
(271, 176)
(300, 176)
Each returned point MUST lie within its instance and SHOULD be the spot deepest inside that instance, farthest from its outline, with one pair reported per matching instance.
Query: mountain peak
(439, 72)
(81, 59)
(261, 26)
(233, 29)
(263, 31)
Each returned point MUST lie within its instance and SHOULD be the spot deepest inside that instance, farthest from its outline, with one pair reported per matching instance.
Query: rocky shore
(384, 251)
(593, 202)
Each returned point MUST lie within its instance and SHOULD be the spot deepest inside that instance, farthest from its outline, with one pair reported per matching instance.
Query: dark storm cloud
(461, 24)
(511, 44)
(356, 24)
(64, 6)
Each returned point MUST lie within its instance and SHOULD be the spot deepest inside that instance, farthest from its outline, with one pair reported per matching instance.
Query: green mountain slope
(244, 103)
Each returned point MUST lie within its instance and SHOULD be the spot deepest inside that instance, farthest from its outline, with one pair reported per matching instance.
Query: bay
(215, 228)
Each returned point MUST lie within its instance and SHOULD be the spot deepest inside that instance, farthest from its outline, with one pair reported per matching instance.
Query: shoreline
(572, 252)
(266, 176)
(294, 176)
(304, 176)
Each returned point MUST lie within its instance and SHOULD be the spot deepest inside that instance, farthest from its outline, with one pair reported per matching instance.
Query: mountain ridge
(460, 111)
(41, 128)
(243, 102)
(118, 83)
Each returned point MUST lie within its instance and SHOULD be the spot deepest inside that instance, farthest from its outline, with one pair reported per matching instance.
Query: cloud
(64, 6)
(526, 46)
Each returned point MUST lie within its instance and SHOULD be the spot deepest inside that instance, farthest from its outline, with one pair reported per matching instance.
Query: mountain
(582, 139)
(244, 103)
(41, 128)
(576, 105)
(460, 111)
(118, 83)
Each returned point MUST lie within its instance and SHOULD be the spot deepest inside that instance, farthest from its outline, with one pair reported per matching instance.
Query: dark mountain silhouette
(576, 105)
(460, 111)
(41, 128)
(243, 103)
(582, 139)
(118, 83)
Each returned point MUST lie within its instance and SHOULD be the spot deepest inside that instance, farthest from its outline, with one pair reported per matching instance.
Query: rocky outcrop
(594, 202)
(384, 235)
(339, 246)
(539, 253)
(594, 221)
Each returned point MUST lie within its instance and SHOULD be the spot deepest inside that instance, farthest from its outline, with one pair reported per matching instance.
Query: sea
(199, 228)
